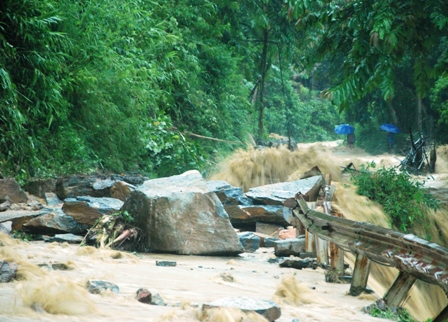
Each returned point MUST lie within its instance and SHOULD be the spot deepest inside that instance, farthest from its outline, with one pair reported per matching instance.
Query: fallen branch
(209, 138)
(115, 231)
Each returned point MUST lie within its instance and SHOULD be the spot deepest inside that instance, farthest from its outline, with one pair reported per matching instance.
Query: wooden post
(321, 251)
(337, 257)
(310, 244)
(399, 290)
(300, 228)
(443, 316)
(360, 275)
(321, 245)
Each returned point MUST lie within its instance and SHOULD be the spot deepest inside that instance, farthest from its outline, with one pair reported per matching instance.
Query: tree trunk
(263, 70)
(419, 113)
(392, 112)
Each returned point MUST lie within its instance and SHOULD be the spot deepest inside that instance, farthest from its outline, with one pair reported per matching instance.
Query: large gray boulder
(180, 215)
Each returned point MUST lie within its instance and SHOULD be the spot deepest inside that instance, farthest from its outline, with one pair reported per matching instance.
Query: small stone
(157, 300)
(37, 307)
(227, 277)
(7, 271)
(96, 286)
(268, 309)
(61, 238)
(144, 296)
(250, 241)
(52, 199)
(61, 266)
(166, 263)
(44, 265)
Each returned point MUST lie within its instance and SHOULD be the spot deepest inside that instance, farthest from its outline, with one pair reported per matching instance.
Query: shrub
(403, 199)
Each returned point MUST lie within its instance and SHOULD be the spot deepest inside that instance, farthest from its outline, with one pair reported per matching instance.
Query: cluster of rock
(183, 214)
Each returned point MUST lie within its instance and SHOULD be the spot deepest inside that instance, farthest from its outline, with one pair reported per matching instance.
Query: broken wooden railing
(414, 257)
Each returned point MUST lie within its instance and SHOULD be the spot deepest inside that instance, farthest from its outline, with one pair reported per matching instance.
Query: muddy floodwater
(302, 294)
(46, 294)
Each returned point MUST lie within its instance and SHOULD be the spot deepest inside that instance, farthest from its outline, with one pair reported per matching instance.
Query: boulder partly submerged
(285, 192)
(180, 215)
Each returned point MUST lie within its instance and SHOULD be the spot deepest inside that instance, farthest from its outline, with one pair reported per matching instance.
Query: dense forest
(160, 87)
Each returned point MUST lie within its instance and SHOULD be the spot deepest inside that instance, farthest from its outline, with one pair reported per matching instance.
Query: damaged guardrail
(416, 258)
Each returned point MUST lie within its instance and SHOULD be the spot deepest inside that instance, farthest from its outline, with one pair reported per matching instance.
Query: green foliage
(121, 85)
(32, 78)
(372, 38)
(172, 152)
(398, 314)
(81, 81)
(404, 200)
(439, 99)
(308, 121)
(23, 236)
(125, 215)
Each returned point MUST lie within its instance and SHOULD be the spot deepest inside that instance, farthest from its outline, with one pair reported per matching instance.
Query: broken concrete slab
(279, 193)
(268, 309)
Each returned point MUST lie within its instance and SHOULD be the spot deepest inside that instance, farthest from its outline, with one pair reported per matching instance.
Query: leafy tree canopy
(367, 40)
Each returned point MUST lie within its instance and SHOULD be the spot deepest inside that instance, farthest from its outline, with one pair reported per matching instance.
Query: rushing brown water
(41, 294)
(254, 167)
